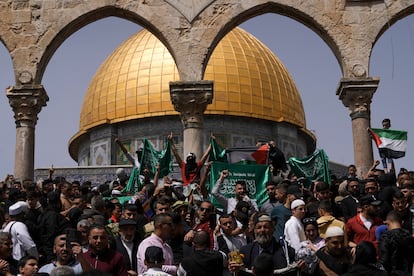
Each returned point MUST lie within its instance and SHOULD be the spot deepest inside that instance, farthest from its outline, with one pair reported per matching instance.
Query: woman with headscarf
(313, 243)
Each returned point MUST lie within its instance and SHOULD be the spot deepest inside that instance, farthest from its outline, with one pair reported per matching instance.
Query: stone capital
(26, 102)
(191, 100)
(356, 94)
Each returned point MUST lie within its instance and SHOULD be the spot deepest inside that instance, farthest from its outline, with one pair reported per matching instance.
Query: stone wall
(230, 131)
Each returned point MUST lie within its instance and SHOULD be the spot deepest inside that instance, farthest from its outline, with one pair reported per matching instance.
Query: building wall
(101, 150)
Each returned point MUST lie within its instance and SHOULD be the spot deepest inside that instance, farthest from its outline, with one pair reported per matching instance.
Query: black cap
(154, 254)
(369, 200)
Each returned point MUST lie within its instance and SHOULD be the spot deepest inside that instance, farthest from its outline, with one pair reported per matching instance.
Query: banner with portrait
(255, 176)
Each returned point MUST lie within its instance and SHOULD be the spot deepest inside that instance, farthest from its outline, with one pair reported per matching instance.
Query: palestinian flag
(390, 143)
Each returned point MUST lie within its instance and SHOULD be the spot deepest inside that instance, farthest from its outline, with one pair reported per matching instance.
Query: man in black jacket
(203, 261)
(127, 244)
(282, 254)
(395, 246)
(349, 204)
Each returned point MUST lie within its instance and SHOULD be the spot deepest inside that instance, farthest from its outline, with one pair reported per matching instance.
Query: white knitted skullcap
(296, 203)
(334, 231)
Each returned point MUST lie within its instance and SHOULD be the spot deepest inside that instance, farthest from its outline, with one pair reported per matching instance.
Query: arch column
(191, 99)
(26, 102)
(356, 94)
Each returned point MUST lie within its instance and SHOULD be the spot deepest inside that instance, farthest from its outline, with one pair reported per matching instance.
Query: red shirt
(193, 175)
(357, 232)
(110, 261)
(206, 227)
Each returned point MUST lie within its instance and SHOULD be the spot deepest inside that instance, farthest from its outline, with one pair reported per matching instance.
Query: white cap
(334, 231)
(15, 209)
(296, 203)
(116, 192)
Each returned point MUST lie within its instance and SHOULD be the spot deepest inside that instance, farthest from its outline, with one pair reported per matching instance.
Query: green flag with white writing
(313, 168)
(255, 176)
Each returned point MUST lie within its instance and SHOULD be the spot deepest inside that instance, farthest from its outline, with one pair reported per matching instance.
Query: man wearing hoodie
(326, 219)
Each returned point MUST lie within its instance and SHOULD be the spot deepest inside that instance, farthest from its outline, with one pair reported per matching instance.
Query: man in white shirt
(23, 243)
(294, 231)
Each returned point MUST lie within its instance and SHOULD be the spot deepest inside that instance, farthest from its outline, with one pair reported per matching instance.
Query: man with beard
(371, 187)
(190, 169)
(240, 192)
(362, 226)
(349, 204)
(69, 256)
(333, 257)
(101, 256)
(127, 243)
(265, 243)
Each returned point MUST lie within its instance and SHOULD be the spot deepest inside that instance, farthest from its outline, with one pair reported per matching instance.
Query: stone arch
(241, 14)
(393, 18)
(89, 17)
(295, 14)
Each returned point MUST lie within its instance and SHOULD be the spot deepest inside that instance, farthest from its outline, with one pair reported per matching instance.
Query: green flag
(133, 183)
(151, 157)
(314, 167)
(149, 160)
(165, 160)
(255, 176)
(217, 153)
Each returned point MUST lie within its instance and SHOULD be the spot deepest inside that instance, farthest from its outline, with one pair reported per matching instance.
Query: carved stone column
(356, 94)
(191, 100)
(26, 102)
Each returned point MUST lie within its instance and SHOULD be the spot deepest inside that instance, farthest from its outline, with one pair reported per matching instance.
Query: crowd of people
(353, 226)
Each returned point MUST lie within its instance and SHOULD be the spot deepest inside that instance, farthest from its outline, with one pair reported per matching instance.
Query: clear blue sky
(309, 60)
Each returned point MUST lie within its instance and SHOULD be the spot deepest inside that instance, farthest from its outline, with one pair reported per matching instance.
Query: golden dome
(133, 82)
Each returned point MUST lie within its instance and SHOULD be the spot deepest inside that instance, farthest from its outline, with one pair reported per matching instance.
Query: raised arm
(174, 150)
(205, 155)
(216, 190)
(123, 148)
(372, 169)
(131, 159)
(203, 180)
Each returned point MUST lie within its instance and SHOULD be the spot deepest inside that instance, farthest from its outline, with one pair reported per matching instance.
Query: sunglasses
(207, 210)
(309, 220)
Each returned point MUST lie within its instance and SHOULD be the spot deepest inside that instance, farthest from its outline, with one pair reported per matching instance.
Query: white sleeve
(219, 197)
(292, 236)
(25, 239)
